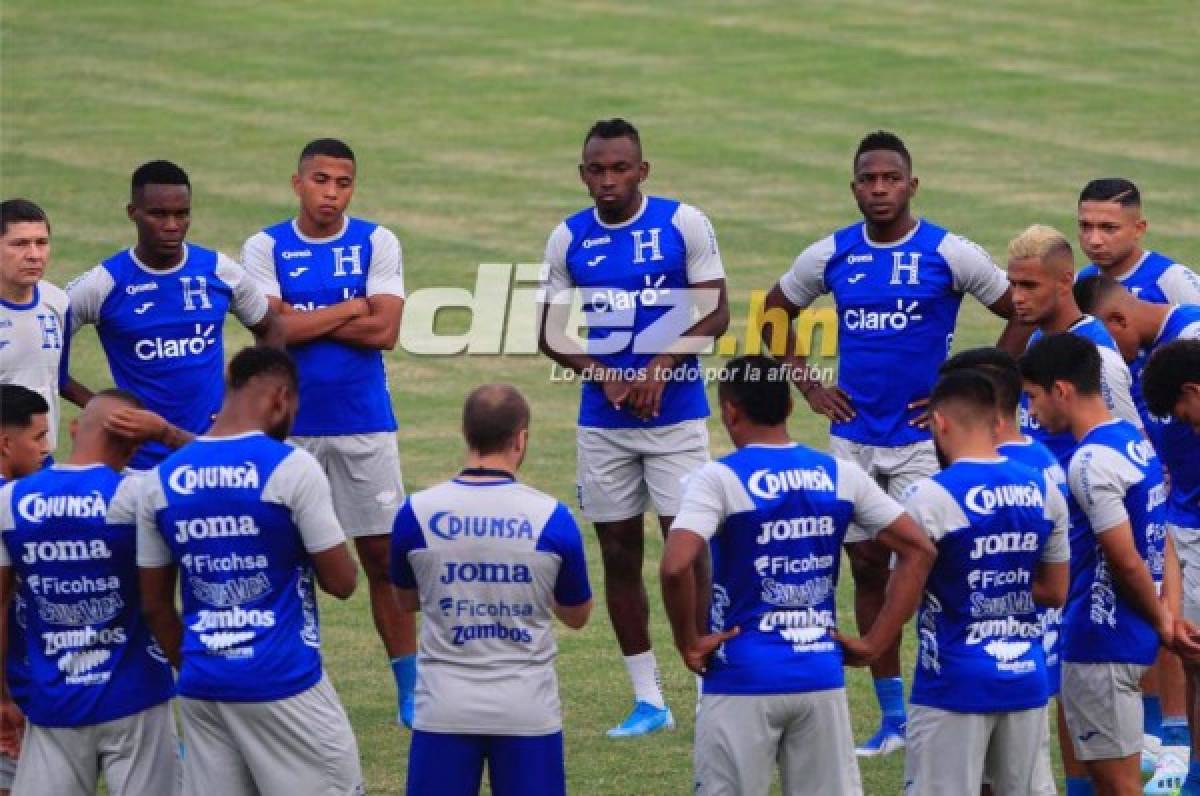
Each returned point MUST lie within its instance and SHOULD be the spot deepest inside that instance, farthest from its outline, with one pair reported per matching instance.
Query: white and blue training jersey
(1156, 278)
(1115, 477)
(162, 331)
(69, 536)
(489, 560)
(994, 522)
(35, 345)
(775, 518)
(896, 305)
(343, 387)
(240, 517)
(633, 278)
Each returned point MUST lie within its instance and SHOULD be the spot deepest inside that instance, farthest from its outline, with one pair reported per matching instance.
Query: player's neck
(762, 435)
(622, 214)
(311, 228)
(891, 231)
(88, 451)
(1064, 316)
(16, 294)
(155, 262)
(970, 444)
(488, 466)
(1009, 431)
(1090, 411)
(6, 473)
(1126, 264)
(1149, 321)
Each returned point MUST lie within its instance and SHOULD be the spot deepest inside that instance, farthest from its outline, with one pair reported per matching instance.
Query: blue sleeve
(65, 358)
(561, 536)
(406, 537)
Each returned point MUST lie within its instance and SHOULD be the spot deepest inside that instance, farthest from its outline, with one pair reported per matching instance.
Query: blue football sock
(404, 669)
(1151, 715)
(1191, 785)
(1175, 732)
(890, 693)
(1077, 786)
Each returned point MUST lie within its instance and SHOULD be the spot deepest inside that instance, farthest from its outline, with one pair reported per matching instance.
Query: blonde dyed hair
(1039, 242)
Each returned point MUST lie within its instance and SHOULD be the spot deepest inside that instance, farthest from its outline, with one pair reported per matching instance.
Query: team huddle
(1036, 505)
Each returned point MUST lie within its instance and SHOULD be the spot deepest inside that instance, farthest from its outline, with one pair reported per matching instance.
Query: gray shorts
(740, 739)
(621, 472)
(8, 770)
(137, 754)
(894, 469)
(1102, 704)
(1187, 546)
(299, 746)
(364, 474)
(948, 752)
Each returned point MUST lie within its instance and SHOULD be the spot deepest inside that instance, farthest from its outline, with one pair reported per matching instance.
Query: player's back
(224, 509)
(33, 345)
(70, 538)
(980, 634)
(1101, 624)
(488, 560)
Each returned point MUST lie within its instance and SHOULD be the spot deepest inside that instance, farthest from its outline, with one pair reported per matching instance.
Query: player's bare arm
(1015, 335)
(303, 327)
(157, 585)
(336, 571)
(829, 401)
(1133, 578)
(1050, 583)
(680, 554)
(12, 722)
(75, 392)
(553, 342)
(270, 330)
(378, 328)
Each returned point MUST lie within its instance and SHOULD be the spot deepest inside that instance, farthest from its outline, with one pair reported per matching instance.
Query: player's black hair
(970, 388)
(493, 415)
(998, 366)
(1092, 291)
(758, 386)
(124, 396)
(1063, 357)
(19, 404)
(329, 147)
(1112, 189)
(1169, 368)
(261, 360)
(613, 128)
(882, 140)
(158, 172)
(17, 211)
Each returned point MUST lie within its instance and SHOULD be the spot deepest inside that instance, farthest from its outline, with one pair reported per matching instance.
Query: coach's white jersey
(33, 345)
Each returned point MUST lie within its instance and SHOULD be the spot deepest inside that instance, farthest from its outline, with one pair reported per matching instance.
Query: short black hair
(882, 140)
(329, 147)
(1112, 189)
(969, 388)
(1063, 357)
(158, 172)
(125, 396)
(758, 386)
(19, 404)
(1169, 368)
(493, 415)
(1091, 291)
(259, 360)
(999, 366)
(613, 128)
(18, 211)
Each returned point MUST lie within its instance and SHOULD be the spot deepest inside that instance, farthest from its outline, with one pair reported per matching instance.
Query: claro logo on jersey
(897, 320)
(150, 349)
(450, 526)
(985, 499)
(36, 507)
(769, 485)
(186, 479)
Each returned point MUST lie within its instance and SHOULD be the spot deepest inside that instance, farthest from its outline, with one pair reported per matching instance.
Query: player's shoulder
(1158, 263)
(52, 295)
(1091, 328)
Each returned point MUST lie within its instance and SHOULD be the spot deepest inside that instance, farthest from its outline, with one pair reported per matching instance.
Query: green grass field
(467, 119)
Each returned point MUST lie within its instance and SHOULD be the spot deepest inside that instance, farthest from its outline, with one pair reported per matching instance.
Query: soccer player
(489, 562)
(34, 344)
(1113, 622)
(640, 263)
(338, 284)
(1001, 369)
(99, 690)
(159, 308)
(1171, 382)
(774, 515)
(897, 282)
(980, 688)
(247, 520)
(1140, 327)
(1111, 226)
(24, 445)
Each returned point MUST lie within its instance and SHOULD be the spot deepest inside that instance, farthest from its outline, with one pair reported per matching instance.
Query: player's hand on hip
(922, 418)
(696, 656)
(1186, 641)
(616, 391)
(12, 729)
(855, 651)
(831, 402)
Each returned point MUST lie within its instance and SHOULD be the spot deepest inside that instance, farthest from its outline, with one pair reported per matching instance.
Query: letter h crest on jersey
(909, 268)
(195, 296)
(640, 246)
(51, 331)
(342, 260)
